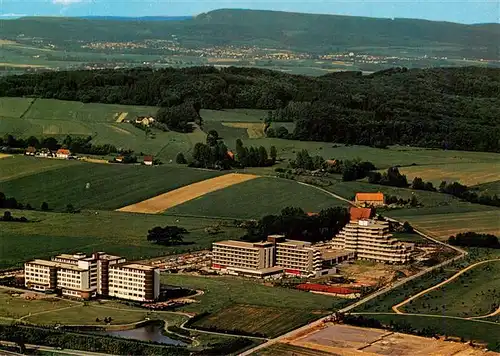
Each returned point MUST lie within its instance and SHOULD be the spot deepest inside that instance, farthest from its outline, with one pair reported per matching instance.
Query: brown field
(122, 116)
(168, 200)
(254, 130)
(17, 65)
(349, 340)
(465, 173)
(444, 225)
(3, 155)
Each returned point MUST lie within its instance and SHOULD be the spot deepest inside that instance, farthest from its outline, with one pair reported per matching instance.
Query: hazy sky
(465, 11)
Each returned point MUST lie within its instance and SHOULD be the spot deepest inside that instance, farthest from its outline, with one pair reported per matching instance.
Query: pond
(150, 332)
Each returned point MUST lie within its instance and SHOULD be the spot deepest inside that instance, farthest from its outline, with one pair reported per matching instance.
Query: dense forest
(452, 108)
(272, 29)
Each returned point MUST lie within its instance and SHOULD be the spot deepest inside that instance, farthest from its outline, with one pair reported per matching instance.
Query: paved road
(432, 316)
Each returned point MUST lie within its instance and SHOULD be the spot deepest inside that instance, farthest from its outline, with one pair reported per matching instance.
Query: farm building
(144, 120)
(63, 153)
(30, 151)
(370, 199)
(148, 160)
(342, 292)
(119, 159)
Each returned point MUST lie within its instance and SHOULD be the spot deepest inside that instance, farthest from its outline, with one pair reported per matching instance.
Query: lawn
(441, 224)
(239, 303)
(490, 188)
(17, 166)
(465, 173)
(475, 293)
(257, 320)
(111, 186)
(257, 198)
(15, 307)
(14, 107)
(468, 329)
(87, 315)
(117, 233)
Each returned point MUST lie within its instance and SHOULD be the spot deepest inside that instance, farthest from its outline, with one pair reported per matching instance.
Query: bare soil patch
(122, 116)
(254, 129)
(3, 155)
(168, 200)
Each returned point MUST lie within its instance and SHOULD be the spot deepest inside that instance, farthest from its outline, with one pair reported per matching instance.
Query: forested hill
(301, 32)
(454, 108)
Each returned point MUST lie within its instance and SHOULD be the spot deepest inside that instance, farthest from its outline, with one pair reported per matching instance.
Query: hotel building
(134, 282)
(271, 258)
(372, 240)
(83, 277)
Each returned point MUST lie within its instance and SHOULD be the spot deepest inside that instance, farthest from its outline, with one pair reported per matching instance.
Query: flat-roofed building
(40, 275)
(134, 281)
(298, 257)
(243, 255)
(372, 240)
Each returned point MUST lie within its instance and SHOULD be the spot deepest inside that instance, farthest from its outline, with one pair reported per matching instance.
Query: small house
(370, 199)
(148, 160)
(44, 152)
(30, 151)
(119, 159)
(230, 154)
(144, 120)
(63, 153)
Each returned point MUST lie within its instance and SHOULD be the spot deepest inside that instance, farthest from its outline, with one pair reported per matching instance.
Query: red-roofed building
(63, 153)
(148, 160)
(360, 213)
(339, 291)
(370, 199)
(230, 154)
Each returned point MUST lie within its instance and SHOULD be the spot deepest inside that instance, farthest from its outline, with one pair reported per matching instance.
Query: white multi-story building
(134, 281)
(372, 240)
(85, 277)
(298, 257)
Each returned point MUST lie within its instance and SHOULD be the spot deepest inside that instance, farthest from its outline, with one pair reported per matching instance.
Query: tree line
(474, 239)
(446, 108)
(296, 224)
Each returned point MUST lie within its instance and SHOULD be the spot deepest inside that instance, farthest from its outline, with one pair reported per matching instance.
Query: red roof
(230, 154)
(63, 151)
(148, 158)
(312, 214)
(325, 289)
(369, 197)
(360, 213)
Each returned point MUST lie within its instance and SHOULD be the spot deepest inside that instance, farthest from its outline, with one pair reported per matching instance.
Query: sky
(465, 11)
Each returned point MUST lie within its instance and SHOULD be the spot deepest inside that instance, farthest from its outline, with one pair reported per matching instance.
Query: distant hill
(143, 18)
(282, 30)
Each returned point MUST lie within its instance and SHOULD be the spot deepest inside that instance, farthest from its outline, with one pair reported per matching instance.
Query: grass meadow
(256, 198)
(112, 186)
(475, 293)
(117, 233)
(257, 320)
(236, 303)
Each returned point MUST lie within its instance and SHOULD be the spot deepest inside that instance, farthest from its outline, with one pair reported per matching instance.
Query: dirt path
(168, 200)
(396, 307)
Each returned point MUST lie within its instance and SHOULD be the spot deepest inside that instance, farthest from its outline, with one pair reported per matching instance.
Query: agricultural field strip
(168, 200)
(396, 307)
(429, 316)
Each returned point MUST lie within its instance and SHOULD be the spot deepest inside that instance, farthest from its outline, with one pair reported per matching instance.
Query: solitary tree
(168, 235)
(273, 153)
(45, 206)
(180, 159)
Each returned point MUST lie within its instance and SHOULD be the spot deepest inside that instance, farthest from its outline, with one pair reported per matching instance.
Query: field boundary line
(28, 109)
(184, 327)
(495, 313)
(396, 307)
(49, 311)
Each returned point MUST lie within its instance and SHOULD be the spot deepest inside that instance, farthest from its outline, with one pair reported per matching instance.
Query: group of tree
(180, 117)
(445, 108)
(412, 201)
(392, 178)
(214, 154)
(474, 239)
(465, 193)
(167, 236)
(12, 203)
(350, 169)
(7, 217)
(296, 224)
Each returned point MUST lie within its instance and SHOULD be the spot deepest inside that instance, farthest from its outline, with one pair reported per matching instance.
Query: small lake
(151, 332)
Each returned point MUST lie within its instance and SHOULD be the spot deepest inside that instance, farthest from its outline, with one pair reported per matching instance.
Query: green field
(257, 320)
(238, 302)
(256, 198)
(15, 306)
(475, 293)
(112, 186)
(114, 232)
(234, 115)
(16, 166)
(442, 223)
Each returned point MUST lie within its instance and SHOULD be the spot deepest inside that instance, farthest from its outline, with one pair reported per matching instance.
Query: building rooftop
(328, 254)
(296, 243)
(234, 243)
(75, 257)
(360, 213)
(136, 266)
(61, 265)
(370, 196)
